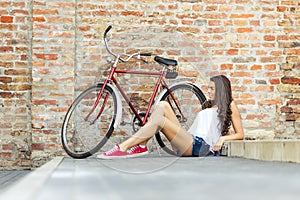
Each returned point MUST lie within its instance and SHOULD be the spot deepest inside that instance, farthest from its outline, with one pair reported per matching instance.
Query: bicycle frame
(159, 82)
(112, 78)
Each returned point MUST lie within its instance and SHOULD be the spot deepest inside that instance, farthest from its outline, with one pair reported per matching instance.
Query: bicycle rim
(84, 131)
(189, 98)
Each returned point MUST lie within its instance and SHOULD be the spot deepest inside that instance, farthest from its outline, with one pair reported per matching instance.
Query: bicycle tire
(189, 97)
(81, 136)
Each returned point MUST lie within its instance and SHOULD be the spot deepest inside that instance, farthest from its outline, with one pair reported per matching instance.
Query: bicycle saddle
(165, 61)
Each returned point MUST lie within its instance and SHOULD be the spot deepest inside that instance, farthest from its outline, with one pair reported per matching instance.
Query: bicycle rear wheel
(188, 97)
(84, 130)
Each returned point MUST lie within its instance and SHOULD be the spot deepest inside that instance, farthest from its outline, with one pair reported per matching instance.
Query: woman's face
(211, 90)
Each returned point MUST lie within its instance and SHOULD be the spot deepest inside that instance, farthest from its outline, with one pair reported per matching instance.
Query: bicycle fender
(119, 105)
(173, 85)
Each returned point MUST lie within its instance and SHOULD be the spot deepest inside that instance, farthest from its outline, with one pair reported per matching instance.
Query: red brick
(197, 7)
(16, 72)
(270, 102)
(256, 67)
(6, 154)
(292, 116)
(188, 29)
(241, 15)
(275, 81)
(269, 37)
(294, 102)
(46, 56)
(241, 74)
(60, 19)
(6, 94)
(247, 81)
(38, 146)
(262, 88)
(272, 74)
(240, 22)
(256, 116)
(281, 8)
(214, 22)
(44, 12)
(255, 22)
(6, 49)
(211, 8)
(5, 79)
(226, 66)
(270, 67)
(244, 30)
(49, 132)
(64, 5)
(119, 6)
(292, 51)
(214, 16)
(286, 109)
(187, 22)
(6, 19)
(290, 80)
(44, 102)
(245, 102)
(132, 13)
(246, 96)
(20, 12)
(187, 15)
(39, 19)
(232, 52)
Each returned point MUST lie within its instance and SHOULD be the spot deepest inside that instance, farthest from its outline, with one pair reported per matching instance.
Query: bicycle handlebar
(145, 54)
(119, 56)
(107, 30)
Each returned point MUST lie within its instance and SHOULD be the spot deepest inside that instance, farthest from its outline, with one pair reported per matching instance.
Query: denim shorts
(200, 147)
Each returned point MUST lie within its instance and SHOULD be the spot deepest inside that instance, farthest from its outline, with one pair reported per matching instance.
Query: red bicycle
(94, 115)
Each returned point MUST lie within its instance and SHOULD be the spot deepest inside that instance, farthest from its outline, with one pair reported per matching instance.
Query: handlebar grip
(145, 54)
(107, 29)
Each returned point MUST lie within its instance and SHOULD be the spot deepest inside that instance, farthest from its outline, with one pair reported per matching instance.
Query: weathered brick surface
(50, 50)
(15, 84)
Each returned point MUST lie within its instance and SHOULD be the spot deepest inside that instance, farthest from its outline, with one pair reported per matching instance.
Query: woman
(206, 135)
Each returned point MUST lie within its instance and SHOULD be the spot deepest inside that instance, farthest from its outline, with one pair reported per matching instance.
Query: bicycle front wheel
(184, 99)
(88, 125)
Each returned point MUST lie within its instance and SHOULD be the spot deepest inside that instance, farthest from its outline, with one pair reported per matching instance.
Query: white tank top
(207, 126)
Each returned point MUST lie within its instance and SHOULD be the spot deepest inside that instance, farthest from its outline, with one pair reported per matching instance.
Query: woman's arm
(237, 126)
(236, 123)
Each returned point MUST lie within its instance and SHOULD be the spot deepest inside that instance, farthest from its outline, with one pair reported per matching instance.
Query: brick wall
(50, 50)
(15, 83)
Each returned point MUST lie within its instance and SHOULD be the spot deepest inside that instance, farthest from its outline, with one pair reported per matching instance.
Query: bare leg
(164, 119)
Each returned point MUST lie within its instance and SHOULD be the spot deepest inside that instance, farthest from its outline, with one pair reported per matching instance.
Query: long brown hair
(223, 99)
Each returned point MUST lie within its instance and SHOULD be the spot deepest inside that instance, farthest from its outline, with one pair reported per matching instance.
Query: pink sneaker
(136, 151)
(113, 153)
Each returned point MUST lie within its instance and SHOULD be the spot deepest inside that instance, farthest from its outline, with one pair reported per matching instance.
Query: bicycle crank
(136, 124)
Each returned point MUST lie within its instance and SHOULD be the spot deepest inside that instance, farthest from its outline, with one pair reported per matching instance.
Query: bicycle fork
(112, 71)
(96, 104)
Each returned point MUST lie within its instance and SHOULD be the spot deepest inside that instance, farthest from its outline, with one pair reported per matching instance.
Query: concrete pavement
(154, 177)
(9, 177)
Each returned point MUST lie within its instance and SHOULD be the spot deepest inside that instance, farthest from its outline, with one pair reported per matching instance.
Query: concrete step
(267, 150)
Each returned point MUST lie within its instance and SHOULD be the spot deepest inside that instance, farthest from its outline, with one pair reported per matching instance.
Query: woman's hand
(219, 144)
